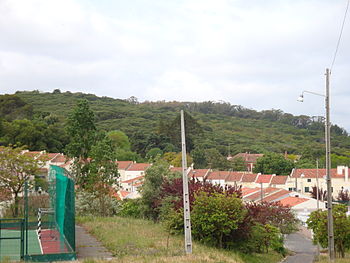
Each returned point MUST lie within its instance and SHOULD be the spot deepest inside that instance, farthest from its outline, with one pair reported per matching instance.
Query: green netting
(61, 192)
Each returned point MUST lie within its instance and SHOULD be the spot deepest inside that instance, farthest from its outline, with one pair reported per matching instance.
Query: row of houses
(299, 180)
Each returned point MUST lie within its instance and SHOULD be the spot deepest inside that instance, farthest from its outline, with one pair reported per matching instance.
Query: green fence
(57, 231)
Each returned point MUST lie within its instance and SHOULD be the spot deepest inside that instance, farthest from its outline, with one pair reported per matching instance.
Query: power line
(340, 35)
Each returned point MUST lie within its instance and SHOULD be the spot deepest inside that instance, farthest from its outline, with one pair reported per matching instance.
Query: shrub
(130, 208)
(216, 217)
(89, 204)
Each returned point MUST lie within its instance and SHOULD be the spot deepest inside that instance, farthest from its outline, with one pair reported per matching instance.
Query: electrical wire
(340, 35)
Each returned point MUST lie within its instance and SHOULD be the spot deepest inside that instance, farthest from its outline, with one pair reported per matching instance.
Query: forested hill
(225, 127)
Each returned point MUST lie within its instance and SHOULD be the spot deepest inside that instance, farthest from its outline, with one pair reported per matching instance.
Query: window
(308, 180)
(290, 189)
(307, 189)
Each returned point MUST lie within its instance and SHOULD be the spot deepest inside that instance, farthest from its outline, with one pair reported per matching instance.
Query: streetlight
(328, 165)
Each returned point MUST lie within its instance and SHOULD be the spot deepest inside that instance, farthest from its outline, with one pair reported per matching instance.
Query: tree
(238, 164)
(199, 159)
(82, 131)
(151, 189)
(119, 140)
(153, 153)
(216, 217)
(103, 171)
(216, 160)
(16, 169)
(317, 221)
(273, 163)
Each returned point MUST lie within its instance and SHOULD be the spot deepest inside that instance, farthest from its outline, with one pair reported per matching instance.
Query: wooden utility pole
(187, 219)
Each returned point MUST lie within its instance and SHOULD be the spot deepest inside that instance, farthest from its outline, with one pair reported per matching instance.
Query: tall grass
(136, 240)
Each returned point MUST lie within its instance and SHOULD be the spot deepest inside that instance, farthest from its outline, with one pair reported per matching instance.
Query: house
(133, 184)
(278, 181)
(263, 180)
(136, 170)
(249, 159)
(218, 177)
(234, 178)
(302, 180)
(199, 174)
(248, 180)
(122, 167)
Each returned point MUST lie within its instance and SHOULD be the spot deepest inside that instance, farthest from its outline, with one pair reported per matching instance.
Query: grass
(324, 259)
(136, 240)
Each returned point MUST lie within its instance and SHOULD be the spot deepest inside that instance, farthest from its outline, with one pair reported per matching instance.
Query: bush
(89, 204)
(130, 208)
(216, 217)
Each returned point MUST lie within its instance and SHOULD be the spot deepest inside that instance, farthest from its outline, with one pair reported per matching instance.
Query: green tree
(317, 221)
(119, 140)
(199, 158)
(216, 160)
(82, 131)
(153, 153)
(238, 164)
(216, 217)
(273, 163)
(151, 189)
(103, 171)
(16, 169)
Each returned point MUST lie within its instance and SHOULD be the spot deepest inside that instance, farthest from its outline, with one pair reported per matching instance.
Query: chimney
(340, 169)
(346, 173)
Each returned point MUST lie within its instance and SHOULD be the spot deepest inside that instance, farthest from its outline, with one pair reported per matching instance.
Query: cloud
(260, 54)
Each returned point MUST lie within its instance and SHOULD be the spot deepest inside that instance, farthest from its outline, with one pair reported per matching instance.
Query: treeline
(214, 129)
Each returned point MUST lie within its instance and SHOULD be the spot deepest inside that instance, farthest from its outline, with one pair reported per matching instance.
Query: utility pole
(187, 219)
(329, 180)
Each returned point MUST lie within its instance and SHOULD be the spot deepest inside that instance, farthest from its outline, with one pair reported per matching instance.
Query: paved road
(89, 247)
(302, 246)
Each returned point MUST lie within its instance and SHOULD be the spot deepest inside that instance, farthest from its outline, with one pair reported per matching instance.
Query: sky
(258, 54)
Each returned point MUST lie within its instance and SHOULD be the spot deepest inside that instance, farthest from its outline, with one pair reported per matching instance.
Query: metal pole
(328, 168)
(187, 219)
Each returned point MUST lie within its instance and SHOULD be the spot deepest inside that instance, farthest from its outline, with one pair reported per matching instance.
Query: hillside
(228, 128)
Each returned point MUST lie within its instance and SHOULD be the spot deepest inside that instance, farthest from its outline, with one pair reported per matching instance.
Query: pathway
(302, 246)
(89, 247)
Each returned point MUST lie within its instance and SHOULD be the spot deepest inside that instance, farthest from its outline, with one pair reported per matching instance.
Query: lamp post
(328, 165)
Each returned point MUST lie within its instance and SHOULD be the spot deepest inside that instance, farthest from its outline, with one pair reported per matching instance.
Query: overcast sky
(258, 54)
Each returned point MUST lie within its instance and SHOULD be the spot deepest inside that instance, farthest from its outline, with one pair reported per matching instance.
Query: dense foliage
(318, 223)
(213, 129)
(218, 215)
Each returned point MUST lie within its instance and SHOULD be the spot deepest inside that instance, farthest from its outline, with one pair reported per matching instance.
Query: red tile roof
(248, 178)
(234, 177)
(264, 178)
(52, 155)
(123, 165)
(292, 201)
(248, 157)
(279, 179)
(123, 193)
(247, 191)
(274, 196)
(138, 167)
(133, 180)
(312, 173)
(198, 173)
(218, 175)
(59, 159)
(265, 192)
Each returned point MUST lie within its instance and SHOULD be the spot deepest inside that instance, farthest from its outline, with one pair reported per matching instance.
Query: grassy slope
(136, 240)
